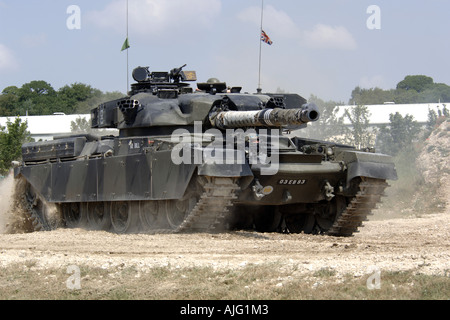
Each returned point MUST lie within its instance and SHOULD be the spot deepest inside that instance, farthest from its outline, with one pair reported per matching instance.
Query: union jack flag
(265, 38)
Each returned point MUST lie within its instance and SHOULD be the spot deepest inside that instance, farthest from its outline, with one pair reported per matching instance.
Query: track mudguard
(371, 165)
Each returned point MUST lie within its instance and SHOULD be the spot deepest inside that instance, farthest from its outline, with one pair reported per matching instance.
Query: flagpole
(128, 77)
(259, 90)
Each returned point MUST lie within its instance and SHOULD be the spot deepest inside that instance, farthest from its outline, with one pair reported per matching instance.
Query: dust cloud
(12, 216)
(6, 199)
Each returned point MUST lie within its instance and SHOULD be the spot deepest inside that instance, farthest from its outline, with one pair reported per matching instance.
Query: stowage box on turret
(201, 161)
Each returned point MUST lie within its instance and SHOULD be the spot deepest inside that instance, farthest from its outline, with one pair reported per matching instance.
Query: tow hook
(328, 191)
(258, 190)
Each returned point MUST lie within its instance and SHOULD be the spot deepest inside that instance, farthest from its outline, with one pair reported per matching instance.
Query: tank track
(211, 210)
(218, 194)
(36, 210)
(369, 195)
(35, 218)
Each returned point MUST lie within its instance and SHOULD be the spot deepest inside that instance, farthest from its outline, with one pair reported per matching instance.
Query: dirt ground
(418, 244)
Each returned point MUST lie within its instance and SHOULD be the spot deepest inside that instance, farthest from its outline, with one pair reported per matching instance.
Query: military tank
(203, 160)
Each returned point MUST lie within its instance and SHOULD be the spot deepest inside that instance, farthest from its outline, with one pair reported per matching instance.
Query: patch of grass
(325, 272)
(252, 282)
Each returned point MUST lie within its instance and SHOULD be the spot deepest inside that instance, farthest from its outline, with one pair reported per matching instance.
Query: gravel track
(418, 244)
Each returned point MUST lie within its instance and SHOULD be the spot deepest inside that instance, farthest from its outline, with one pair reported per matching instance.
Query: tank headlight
(330, 151)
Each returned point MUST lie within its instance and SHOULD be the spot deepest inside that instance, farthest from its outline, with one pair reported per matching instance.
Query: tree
(435, 119)
(99, 97)
(80, 125)
(371, 96)
(413, 89)
(360, 135)
(40, 98)
(36, 88)
(445, 111)
(8, 104)
(11, 90)
(74, 94)
(419, 83)
(436, 92)
(11, 139)
(403, 96)
(34, 98)
(432, 120)
(399, 135)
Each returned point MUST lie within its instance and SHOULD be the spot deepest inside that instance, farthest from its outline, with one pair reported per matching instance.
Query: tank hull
(143, 177)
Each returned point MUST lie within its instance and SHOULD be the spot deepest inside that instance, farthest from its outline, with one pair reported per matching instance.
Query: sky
(325, 48)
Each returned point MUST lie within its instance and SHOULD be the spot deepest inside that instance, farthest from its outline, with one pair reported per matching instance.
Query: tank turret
(162, 100)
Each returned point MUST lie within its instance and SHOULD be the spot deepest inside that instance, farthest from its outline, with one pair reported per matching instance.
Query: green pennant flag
(126, 45)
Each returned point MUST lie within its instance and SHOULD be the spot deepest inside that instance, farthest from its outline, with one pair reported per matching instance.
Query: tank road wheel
(149, 214)
(98, 216)
(124, 216)
(178, 210)
(326, 215)
(240, 218)
(267, 219)
(296, 223)
(73, 214)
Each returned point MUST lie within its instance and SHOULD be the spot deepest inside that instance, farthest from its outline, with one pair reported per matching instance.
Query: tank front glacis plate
(294, 183)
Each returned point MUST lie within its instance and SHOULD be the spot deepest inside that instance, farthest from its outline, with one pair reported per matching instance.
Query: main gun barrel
(266, 118)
